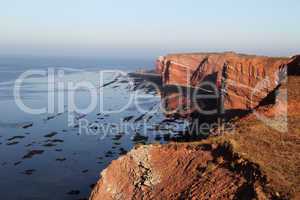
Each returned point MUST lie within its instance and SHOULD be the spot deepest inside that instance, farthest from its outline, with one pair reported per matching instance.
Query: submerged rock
(127, 119)
(12, 143)
(74, 192)
(138, 138)
(32, 153)
(15, 137)
(62, 159)
(51, 134)
(17, 163)
(29, 172)
(25, 126)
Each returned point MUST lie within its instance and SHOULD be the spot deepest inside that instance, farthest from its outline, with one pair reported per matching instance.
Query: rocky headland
(258, 159)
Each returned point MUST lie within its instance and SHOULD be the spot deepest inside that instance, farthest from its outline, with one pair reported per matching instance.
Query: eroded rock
(175, 171)
(247, 79)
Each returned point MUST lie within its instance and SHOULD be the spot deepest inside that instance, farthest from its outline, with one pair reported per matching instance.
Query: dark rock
(17, 163)
(127, 119)
(15, 137)
(32, 153)
(51, 134)
(60, 159)
(74, 192)
(29, 172)
(12, 143)
(27, 126)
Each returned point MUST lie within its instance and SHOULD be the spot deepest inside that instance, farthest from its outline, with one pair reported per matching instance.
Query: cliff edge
(258, 159)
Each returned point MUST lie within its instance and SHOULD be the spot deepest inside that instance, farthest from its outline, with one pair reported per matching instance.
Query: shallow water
(47, 156)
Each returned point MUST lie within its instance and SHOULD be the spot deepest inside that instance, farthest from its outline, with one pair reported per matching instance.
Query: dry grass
(277, 154)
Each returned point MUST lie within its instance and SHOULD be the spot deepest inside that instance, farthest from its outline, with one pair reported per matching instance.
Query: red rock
(159, 65)
(175, 171)
(248, 79)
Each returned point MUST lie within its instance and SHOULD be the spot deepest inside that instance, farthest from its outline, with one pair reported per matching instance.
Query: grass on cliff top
(277, 154)
(218, 53)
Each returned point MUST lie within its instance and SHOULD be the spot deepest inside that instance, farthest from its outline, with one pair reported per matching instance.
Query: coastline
(253, 161)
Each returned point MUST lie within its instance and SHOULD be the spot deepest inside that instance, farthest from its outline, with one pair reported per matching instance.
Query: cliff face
(246, 79)
(255, 160)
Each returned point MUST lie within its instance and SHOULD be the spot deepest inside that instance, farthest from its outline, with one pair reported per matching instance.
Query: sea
(57, 134)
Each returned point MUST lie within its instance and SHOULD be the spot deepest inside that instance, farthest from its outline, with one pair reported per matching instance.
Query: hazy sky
(140, 28)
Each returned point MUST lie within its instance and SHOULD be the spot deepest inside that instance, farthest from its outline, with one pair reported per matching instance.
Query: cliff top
(277, 153)
(226, 53)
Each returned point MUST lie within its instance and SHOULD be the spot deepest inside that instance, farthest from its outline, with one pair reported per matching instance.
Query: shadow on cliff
(294, 66)
(180, 102)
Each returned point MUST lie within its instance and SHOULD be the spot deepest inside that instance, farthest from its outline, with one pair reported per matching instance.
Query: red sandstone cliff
(247, 79)
(255, 161)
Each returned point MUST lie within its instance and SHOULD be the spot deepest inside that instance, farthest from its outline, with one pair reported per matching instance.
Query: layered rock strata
(245, 79)
(170, 172)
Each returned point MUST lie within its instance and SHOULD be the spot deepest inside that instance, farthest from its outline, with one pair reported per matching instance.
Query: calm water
(53, 159)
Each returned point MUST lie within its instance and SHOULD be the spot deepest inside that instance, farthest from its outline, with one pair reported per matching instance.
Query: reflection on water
(42, 157)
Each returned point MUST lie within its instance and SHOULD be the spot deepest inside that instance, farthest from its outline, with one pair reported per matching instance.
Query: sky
(143, 29)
